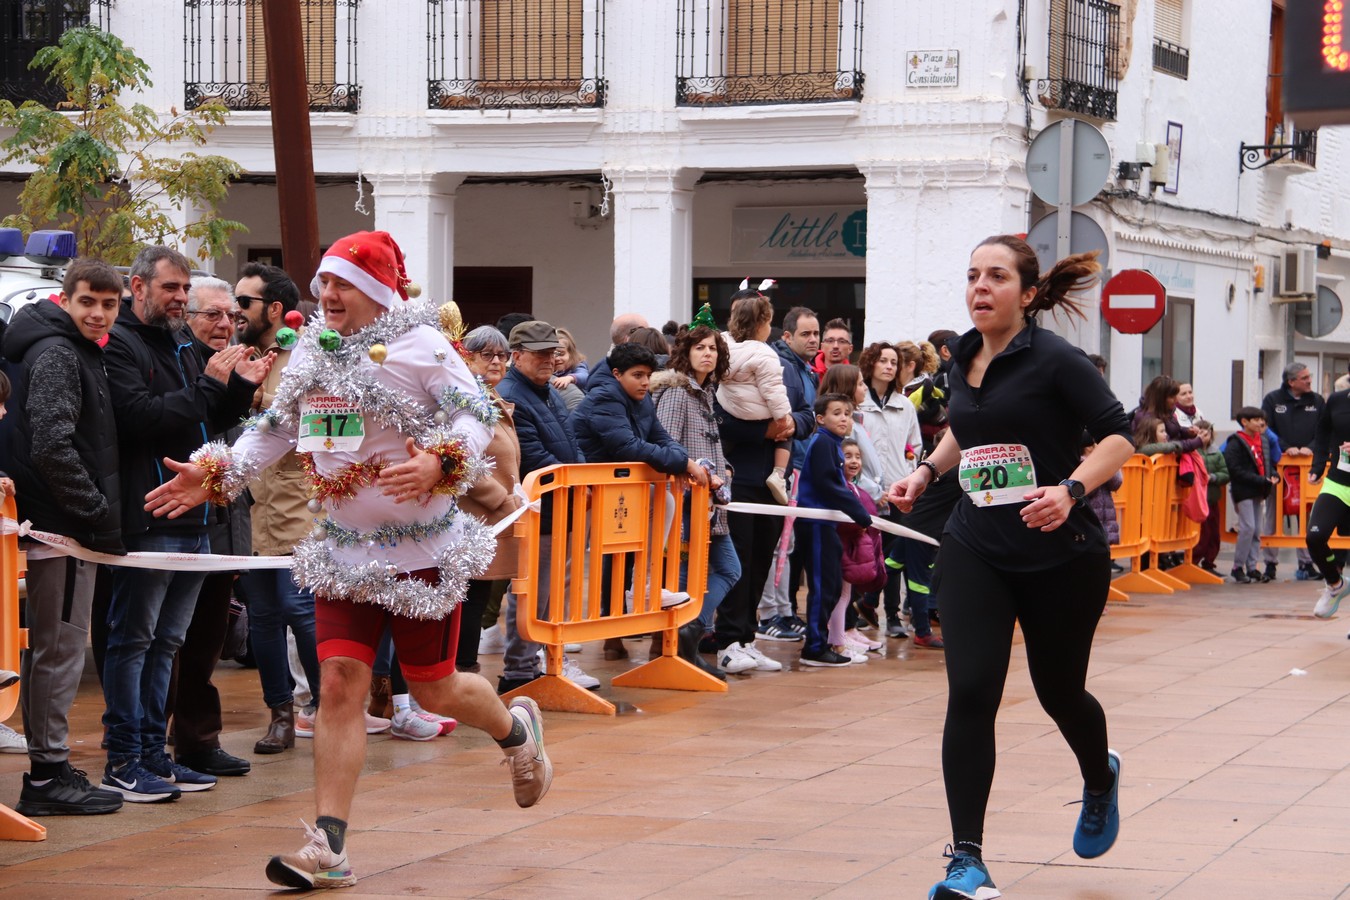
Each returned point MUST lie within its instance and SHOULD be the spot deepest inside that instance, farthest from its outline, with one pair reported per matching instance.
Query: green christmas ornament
(704, 316)
(286, 338)
(329, 339)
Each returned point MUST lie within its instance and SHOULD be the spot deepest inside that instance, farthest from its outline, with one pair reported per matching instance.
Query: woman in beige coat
(494, 497)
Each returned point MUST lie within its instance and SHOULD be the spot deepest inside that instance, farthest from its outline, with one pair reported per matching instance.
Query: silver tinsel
(236, 469)
(316, 569)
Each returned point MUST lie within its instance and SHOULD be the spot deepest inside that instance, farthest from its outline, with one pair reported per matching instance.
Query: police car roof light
(51, 248)
(11, 243)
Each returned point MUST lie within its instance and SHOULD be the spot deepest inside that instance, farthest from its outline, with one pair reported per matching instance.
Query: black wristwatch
(1076, 490)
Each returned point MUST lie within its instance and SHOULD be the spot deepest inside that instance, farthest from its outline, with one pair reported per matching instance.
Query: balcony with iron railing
(1171, 58)
(1084, 59)
(26, 26)
(526, 54)
(741, 52)
(225, 54)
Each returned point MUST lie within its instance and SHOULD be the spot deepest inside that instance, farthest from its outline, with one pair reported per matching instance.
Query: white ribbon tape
(824, 515)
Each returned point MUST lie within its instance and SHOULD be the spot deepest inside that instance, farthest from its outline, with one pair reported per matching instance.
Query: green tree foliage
(97, 172)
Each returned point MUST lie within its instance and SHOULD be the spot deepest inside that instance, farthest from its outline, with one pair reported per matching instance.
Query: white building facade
(578, 158)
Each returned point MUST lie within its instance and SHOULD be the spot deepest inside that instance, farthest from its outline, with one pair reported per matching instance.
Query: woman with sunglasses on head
(1026, 549)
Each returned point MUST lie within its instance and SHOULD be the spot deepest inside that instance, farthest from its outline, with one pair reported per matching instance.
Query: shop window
(1169, 346)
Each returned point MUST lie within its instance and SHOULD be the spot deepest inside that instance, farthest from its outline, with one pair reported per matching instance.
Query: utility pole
(289, 91)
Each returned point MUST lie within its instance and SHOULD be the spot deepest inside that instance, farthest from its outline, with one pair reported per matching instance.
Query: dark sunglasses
(245, 302)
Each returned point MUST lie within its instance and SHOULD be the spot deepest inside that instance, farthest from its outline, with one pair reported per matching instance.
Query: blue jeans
(275, 602)
(724, 570)
(147, 619)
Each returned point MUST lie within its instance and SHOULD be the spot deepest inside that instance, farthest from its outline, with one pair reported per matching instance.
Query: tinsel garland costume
(351, 415)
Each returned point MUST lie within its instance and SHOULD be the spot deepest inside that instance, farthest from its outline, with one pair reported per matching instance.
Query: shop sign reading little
(933, 68)
(812, 234)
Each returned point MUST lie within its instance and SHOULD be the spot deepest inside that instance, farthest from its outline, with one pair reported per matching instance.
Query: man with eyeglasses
(166, 400)
(194, 702)
(265, 295)
(1292, 411)
(835, 346)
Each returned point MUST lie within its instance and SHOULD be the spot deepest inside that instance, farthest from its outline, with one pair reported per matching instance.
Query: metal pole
(1064, 210)
(288, 88)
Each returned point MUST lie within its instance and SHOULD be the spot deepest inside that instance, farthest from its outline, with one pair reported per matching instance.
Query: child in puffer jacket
(1100, 501)
(753, 389)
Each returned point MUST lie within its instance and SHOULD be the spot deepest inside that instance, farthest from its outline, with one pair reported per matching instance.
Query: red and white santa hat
(372, 263)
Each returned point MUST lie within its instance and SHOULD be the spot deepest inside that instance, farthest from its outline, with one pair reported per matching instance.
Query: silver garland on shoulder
(316, 569)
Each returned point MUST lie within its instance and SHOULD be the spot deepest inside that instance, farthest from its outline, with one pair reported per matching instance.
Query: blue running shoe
(967, 879)
(1099, 820)
(176, 774)
(137, 785)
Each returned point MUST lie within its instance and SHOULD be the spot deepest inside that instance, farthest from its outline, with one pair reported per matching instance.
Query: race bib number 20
(996, 474)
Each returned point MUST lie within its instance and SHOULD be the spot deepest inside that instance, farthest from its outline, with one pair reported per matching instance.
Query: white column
(921, 228)
(418, 209)
(653, 242)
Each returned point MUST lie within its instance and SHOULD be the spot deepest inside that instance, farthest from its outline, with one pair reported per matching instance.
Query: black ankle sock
(970, 848)
(335, 830)
(516, 737)
(1106, 790)
(43, 771)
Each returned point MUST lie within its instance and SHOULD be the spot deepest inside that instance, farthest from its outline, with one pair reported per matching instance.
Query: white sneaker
(762, 662)
(491, 641)
(531, 769)
(856, 638)
(11, 741)
(575, 674)
(8, 677)
(1330, 599)
(734, 659)
(410, 726)
(315, 865)
(671, 599)
(853, 654)
(571, 648)
(446, 724)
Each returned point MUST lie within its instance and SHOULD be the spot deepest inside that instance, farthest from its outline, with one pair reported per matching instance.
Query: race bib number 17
(329, 423)
(996, 474)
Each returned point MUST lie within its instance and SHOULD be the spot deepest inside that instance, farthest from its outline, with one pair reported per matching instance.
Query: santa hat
(372, 263)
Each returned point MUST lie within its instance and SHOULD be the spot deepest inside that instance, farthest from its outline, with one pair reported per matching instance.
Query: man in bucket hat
(391, 424)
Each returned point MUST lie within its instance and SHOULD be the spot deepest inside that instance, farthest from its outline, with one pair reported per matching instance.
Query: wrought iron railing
(225, 54)
(732, 52)
(1084, 64)
(496, 54)
(1171, 58)
(26, 26)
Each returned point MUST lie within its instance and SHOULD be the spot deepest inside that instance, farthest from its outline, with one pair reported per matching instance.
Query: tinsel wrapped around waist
(385, 584)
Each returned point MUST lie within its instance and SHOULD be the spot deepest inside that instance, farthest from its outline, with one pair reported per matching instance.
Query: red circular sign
(1133, 301)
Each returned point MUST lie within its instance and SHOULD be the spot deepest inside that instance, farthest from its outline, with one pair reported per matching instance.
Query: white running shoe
(735, 660)
(410, 726)
(856, 638)
(491, 641)
(1330, 599)
(577, 675)
(855, 655)
(531, 769)
(315, 865)
(762, 662)
(447, 724)
(11, 741)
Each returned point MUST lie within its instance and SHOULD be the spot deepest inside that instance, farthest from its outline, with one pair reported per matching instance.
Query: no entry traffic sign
(1133, 301)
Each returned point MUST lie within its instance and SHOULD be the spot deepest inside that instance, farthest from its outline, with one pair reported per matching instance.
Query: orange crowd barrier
(1290, 530)
(13, 640)
(1148, 506)
(606, 511)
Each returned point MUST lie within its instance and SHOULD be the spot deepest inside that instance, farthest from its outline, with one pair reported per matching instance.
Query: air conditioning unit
(1298, 272)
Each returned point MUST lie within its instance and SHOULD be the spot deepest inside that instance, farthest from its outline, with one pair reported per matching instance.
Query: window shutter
(782, 37)
(318, 22)
(1167, 21)
(531, 40)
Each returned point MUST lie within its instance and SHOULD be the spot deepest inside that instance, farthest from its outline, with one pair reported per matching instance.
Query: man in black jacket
(1291, 411)
(167, 402)
(65, 467)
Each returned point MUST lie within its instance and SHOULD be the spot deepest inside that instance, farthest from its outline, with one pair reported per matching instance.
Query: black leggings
(1328, 515)
(1058, 610)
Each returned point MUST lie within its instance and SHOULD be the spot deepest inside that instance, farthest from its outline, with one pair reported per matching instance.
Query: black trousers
(193, 700)
(755, 539)
(1058, 610)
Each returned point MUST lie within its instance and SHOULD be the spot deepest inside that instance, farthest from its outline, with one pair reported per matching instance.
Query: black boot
(687, 649)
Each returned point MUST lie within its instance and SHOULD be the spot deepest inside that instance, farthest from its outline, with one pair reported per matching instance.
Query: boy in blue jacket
(822, 485)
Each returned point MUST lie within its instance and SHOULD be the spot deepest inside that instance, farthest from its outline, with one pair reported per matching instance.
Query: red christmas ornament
(294, 319)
